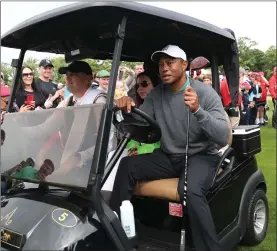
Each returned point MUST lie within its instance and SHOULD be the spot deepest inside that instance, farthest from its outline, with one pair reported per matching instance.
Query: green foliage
(33, 64)
(255, 59)
(270, 60)
(249, 56)
(58, 62)
(8, 73)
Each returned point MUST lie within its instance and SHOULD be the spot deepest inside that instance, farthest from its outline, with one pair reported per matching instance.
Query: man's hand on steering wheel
(125, 103)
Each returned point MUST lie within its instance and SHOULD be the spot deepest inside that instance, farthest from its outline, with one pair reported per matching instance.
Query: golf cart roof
(92, 26)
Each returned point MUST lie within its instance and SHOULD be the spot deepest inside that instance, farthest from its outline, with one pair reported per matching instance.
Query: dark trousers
(245, 116)
(201, 170)
(252, 115)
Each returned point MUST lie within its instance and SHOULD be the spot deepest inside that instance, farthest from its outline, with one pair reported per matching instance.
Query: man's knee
(128, 164)
(195, 194)
(124, 163)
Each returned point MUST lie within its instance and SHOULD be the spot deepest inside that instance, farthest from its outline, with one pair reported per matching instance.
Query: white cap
(170, 50)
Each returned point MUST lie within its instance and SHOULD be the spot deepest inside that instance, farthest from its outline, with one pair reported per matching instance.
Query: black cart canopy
(90, 28)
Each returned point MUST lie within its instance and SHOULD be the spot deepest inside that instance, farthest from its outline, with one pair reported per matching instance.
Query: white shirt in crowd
(86, 99)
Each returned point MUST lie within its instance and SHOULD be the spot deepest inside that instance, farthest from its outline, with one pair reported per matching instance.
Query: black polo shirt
(47, 88)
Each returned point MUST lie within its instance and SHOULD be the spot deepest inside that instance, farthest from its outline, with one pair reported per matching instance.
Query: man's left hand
(191, 99)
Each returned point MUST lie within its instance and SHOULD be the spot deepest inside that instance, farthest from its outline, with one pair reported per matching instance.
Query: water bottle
(127, 218)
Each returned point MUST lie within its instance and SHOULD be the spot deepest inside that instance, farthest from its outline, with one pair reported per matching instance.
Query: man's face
(104, 82)
(258, 78)
(46, 168)
(4, 103)
(207, 81)
(172, 69)
(76, 82)
(252, 78)
(46, 72)
(138, 69)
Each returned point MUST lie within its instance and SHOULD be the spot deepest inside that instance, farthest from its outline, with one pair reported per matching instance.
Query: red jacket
(225, 93)
(272, 86)
(264, 91)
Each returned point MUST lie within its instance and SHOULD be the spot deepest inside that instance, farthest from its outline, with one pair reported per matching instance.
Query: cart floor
(147, 246)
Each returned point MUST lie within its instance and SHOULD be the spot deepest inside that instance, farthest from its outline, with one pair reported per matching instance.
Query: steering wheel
(138, 124)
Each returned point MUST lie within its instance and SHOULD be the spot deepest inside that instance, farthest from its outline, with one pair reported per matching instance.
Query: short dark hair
(154, 79)
(50, 163)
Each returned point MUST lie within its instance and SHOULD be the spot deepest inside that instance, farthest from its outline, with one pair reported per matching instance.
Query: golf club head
(199, 63)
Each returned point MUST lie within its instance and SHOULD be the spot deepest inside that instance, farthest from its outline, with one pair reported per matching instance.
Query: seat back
(230, 126)
(225, 164)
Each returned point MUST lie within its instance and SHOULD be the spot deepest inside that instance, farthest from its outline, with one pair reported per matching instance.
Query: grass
(267, 163)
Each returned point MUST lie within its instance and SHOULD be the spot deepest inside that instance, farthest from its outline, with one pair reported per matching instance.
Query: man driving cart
(167, 104)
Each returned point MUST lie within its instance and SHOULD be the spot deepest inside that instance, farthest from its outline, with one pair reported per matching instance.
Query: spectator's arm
(272, 87)
(131, 76)
(265, 81)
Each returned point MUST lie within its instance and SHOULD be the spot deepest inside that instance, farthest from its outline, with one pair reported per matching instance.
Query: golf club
(183, 230)
(196, 64)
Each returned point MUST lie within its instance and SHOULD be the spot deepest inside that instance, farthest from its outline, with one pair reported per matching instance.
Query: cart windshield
(54, 146)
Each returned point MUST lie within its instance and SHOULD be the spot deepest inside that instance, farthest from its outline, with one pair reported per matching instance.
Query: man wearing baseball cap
(104, 78)
(167, 104)
(78, 82)
(46, 69)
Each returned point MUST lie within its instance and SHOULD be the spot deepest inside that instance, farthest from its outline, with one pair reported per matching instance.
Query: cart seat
(167, 188)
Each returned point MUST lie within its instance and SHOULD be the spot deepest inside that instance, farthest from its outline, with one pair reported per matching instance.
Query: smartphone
(29, 99)
(120, 76)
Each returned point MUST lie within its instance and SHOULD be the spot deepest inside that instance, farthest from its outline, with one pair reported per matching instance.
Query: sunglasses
(27, 74)
(5, 100)
(144, 84)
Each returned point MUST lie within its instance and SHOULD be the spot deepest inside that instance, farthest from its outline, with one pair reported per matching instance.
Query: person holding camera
(28, 96)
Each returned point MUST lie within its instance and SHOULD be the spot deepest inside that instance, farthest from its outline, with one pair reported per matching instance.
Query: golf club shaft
(183, 231)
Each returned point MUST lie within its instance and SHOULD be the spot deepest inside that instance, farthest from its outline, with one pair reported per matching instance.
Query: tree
(96, 65)
(33, 64)
(8, 73)
(58, 62)
(270, 60)
(249, 56)
(255, 59)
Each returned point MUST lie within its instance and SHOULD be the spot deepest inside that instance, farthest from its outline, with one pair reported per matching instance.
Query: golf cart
(67, 210)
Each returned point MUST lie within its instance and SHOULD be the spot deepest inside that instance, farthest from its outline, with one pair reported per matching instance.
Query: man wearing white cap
(167, 104)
